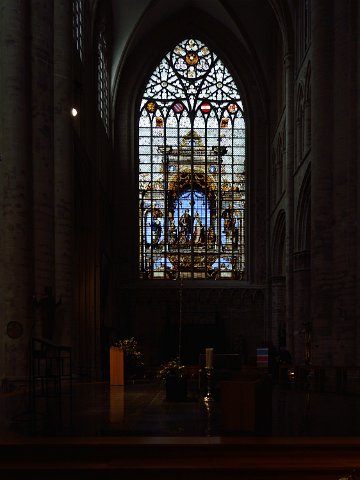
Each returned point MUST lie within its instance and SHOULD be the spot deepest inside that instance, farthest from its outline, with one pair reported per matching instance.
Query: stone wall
(209, 317)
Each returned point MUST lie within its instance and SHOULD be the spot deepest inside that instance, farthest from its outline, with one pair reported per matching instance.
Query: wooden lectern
(116, 366)
(246, 404)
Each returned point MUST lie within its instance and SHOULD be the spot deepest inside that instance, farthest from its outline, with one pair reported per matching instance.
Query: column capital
(288, 60)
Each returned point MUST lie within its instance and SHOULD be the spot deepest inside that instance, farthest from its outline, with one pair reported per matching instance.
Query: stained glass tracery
(78, 25)
(192, 169)
(103, 80)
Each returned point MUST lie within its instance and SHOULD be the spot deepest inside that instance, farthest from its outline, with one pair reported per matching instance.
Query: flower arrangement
(172, 368)
(133, 358)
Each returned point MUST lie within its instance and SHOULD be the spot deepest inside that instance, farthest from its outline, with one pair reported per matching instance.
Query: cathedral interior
(182, 174)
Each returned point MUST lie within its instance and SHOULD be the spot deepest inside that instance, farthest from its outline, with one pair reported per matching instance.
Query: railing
(339, 379)
(50, 366)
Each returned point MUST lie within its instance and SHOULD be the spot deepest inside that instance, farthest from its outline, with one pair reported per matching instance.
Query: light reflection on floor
(140, 409)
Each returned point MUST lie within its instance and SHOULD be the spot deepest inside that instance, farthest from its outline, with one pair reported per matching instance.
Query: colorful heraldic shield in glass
(178, 107)
(205, 107)
(192, 195)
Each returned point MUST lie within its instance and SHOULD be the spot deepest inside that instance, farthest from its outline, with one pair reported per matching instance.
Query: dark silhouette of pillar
(15, 186)
(63, 170)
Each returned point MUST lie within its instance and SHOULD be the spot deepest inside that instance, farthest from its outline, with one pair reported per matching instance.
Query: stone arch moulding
(303, 212)
(133, 72)
(299, 117)
(307, 89)
(279, 180)
(278, 245)
(283, 16)
(307, 109)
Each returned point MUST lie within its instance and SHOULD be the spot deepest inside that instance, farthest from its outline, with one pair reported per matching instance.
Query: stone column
(307, 125)
(298, 143)
(63, 170)
(289, 238)
(42, 152)
(15, 188)
(301, 303)
(357, 138)
(345, 166)
(322, 195)
(278, 305)
(334, 186)
(278, 175)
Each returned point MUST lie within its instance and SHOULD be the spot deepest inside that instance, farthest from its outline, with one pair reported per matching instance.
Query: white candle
(209, 356)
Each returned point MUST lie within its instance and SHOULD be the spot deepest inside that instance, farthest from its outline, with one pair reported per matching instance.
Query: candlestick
(208, 399)
(209, 357)
(180, 316)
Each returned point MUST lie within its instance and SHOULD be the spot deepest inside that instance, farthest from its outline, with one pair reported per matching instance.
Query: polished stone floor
(140, 409)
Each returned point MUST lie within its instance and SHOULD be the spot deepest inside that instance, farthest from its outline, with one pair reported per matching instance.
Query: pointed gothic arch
(279, 165)
(303, 215)
(192, 168)
(129, 84)
(299, 125)
(278, 245)
(307, 109)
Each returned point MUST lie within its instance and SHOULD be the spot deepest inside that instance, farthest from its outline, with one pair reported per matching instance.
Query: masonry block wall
(200, 316)
(36, 172)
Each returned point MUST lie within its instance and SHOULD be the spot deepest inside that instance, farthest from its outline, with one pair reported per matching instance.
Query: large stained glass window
(191, 169)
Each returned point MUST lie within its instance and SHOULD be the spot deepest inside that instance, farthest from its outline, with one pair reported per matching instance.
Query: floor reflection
(141, 409)
(117, 404)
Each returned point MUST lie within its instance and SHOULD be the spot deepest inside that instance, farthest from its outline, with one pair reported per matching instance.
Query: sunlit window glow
(191, 169)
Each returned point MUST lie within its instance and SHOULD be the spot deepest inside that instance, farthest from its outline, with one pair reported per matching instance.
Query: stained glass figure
(192, 194)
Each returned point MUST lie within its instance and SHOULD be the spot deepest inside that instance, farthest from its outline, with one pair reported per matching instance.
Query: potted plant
(133, 358)
(173, 374)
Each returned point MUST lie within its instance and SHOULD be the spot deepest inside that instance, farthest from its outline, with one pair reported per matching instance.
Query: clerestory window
(103, 85)
(78, 26)
(192, 195)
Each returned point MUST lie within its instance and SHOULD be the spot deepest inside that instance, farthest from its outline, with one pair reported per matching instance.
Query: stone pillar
(334, 187)
(278, 309)
(357, 137)
(289, 238)
(307, 126)
(278, 168)
(301, 303)
(15, 188)
(345, 166)
(298, 142)
(322, 195)
(63, 171)
(42, 152)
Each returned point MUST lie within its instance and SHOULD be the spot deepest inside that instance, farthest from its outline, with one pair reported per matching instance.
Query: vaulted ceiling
(259, 25)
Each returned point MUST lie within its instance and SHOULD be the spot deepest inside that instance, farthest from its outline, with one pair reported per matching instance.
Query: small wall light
(74, 112)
